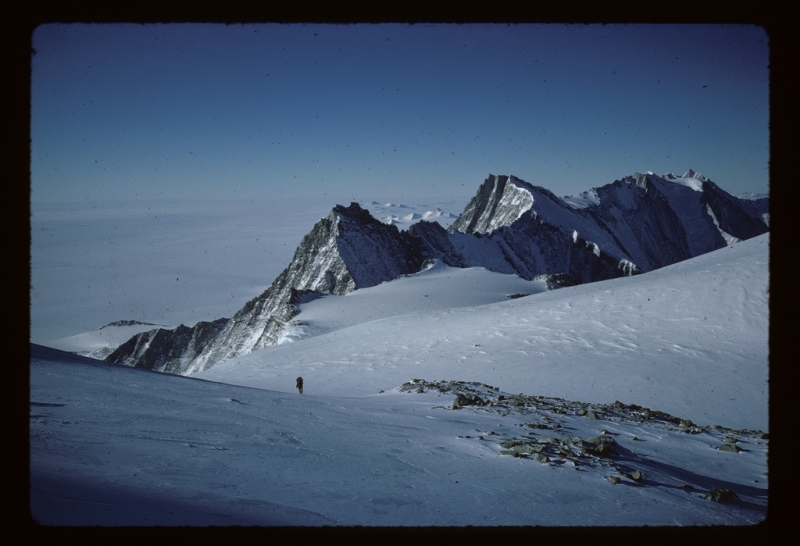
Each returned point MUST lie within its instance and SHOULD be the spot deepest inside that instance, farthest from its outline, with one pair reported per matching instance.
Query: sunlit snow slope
(436, 288)
(690, 339)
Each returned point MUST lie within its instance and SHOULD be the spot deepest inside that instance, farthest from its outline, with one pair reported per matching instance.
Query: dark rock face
(634, 225)
(165, 350)
(757, 207)
(343, 252)
(433, 242)
(467, 400)
(499, 202)
(719, 494)
(737, 217)
(641, 223)
(127, 323)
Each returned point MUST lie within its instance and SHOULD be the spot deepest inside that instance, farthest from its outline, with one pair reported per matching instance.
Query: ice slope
(690, 339)
(112, 445)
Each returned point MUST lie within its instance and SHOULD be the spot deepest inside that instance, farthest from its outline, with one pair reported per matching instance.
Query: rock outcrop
(167, 350)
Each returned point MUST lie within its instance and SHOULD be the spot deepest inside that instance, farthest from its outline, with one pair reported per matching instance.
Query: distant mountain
(103, 341)
(634, 225)
(642, 222)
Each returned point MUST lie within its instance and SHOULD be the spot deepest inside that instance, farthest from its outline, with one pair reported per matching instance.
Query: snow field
(689, 339)
(118, 446)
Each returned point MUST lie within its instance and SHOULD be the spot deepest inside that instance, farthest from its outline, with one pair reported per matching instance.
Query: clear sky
(390, 111)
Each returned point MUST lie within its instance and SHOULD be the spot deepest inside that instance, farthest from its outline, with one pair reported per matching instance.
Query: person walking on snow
(300, 384)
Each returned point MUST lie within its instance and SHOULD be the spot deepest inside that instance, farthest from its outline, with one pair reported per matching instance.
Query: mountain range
(634, 225)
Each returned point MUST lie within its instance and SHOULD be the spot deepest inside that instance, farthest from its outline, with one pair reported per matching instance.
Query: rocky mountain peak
(635, 225)
(501, 200)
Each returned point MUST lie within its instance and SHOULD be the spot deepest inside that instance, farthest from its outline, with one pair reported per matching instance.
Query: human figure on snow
(300, 384)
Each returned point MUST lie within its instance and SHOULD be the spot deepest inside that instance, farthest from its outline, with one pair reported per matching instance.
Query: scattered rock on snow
(599, 451)
(719, 494)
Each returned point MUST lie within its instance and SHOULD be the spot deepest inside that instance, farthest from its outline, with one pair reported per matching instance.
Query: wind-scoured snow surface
(112, 445)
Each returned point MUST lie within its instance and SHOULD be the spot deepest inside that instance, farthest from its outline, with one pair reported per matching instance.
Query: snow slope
(111, 445)
(433, 289)
(690, 339)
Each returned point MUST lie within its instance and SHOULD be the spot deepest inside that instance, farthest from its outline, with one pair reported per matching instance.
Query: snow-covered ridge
(637, 224)
(584, 199)
(590, 197)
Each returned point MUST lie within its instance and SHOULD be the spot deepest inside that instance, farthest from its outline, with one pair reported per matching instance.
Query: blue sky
(362, 112)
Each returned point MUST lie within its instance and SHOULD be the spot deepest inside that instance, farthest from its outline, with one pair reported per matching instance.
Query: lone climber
(300, 384)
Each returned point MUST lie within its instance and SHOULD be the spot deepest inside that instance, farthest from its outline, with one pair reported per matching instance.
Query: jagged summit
(500, 201)
(633, 225)
(692, 174)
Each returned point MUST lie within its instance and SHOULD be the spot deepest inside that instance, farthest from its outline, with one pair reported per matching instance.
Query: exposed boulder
(719, 494)
(603, 446)
(463, 400)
